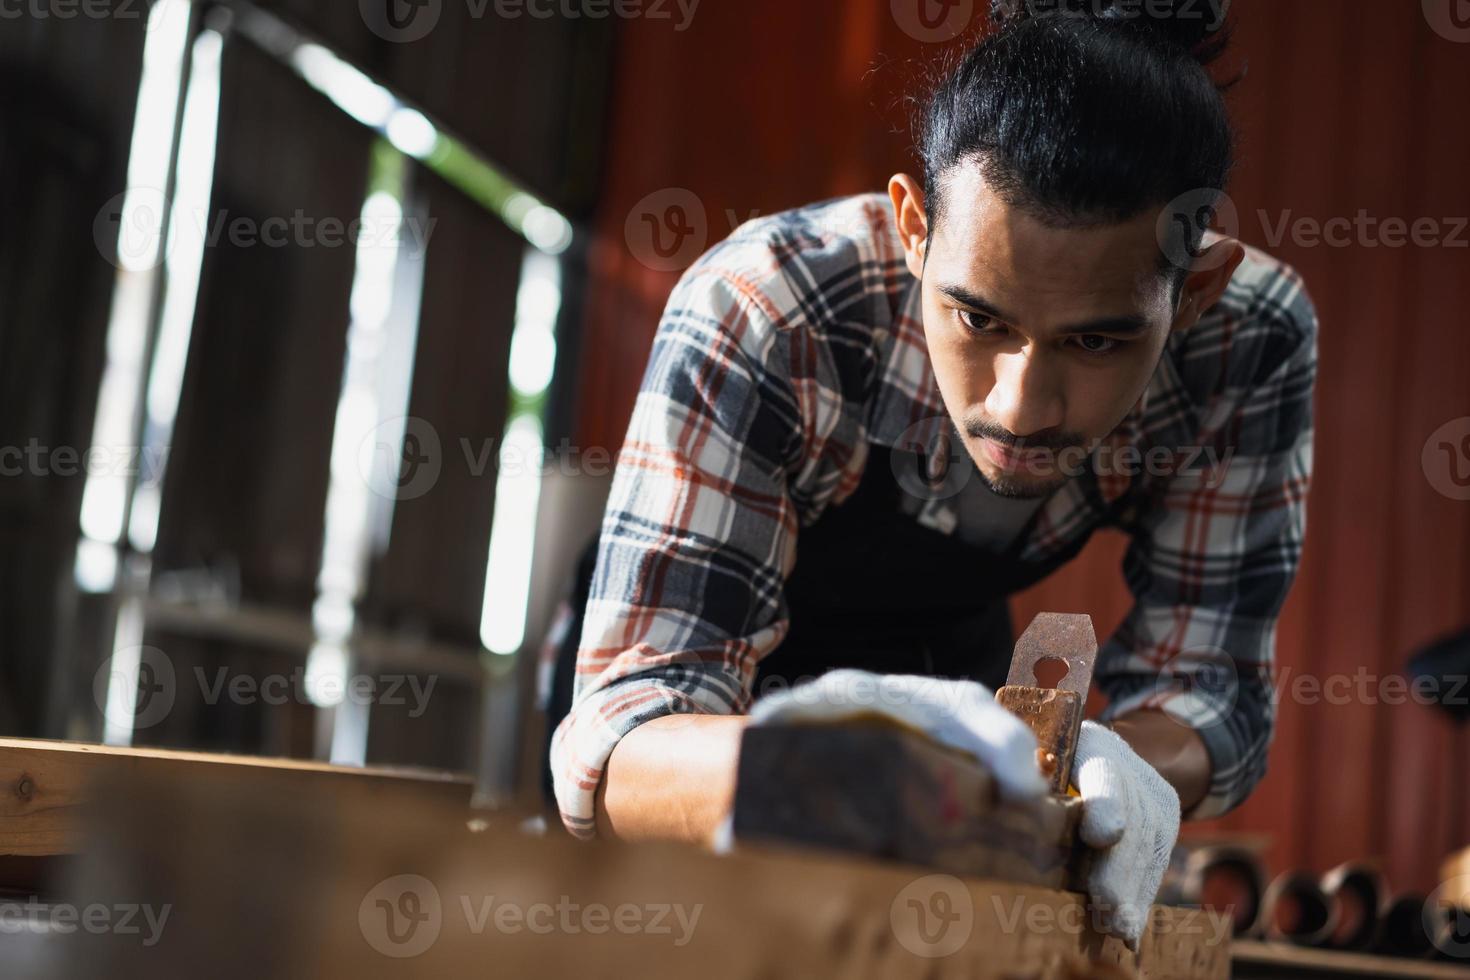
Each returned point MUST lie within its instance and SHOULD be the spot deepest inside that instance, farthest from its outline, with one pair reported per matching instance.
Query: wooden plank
(306, 888)
(45, 786)
(878, 790)
(1258, 959)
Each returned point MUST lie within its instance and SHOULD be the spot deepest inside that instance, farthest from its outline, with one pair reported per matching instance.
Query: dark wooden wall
(527, 91)
(763, 105)
(63, 153)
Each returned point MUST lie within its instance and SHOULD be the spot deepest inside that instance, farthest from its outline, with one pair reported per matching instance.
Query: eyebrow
(1129, 325)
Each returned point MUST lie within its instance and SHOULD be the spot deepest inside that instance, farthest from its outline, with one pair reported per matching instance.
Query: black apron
(876, 590)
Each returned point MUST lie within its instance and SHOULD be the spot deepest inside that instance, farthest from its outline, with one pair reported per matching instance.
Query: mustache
(1054, 441)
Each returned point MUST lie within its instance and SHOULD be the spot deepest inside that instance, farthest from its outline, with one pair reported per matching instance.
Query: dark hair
(1087, 112)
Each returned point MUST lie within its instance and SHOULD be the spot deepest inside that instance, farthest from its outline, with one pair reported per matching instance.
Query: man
(786, 502)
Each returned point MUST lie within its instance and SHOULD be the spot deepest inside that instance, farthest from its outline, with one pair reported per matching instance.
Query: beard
(1019, 489)
(1020, 485)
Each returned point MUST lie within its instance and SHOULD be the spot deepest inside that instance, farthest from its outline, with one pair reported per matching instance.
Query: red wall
(766, 104)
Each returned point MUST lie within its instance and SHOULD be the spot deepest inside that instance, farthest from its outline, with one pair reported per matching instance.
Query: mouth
(1034, 461)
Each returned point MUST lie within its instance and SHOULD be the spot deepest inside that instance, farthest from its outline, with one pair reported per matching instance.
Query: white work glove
(1130, 817)
(960, 714)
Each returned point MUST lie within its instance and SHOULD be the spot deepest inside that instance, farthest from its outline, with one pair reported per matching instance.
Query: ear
(1207, 280)
(913, 223)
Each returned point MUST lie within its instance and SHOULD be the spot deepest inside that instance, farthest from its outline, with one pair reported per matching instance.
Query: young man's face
(1042, 339)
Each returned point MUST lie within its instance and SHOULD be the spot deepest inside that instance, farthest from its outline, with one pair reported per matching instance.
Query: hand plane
(1054, 714)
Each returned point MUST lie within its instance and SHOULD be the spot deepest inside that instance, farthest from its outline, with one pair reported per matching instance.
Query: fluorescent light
(532, 359)
(140, 247)
(354, 93)
(548, 230)
(96, 567)
(518, 484)
(512, 539)
(411, 131)
(326, 675)
(193, 187)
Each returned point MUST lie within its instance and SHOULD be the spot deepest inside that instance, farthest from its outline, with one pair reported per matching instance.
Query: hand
(1130, 816)
(960, 714)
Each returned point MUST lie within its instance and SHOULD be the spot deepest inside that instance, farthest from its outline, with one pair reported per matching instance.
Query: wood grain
(882, 791)
(302, 887)
(44, 786)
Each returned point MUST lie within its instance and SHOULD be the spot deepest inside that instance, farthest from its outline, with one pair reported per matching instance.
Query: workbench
(271, 868)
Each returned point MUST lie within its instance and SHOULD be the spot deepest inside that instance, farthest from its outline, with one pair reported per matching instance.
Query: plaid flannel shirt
(789, 348)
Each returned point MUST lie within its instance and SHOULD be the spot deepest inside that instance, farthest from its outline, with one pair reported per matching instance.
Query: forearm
(1171, 747)
(672, 778)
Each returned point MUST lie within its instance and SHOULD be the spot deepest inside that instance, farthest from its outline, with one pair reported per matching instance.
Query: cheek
(965, 374)
(1100, 396)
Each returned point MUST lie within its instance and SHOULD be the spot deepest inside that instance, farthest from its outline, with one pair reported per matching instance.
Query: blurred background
(320, 325)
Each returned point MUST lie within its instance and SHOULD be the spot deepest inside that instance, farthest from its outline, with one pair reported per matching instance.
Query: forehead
(1040, 273)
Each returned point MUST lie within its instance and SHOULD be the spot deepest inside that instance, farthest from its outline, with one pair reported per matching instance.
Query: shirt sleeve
(1215, 553)
(698, 536)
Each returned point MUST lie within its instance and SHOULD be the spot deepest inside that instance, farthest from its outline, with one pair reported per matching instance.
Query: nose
(1027, 395)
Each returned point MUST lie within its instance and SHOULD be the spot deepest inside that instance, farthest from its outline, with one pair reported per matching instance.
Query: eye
(976, 322)
(1094, 343)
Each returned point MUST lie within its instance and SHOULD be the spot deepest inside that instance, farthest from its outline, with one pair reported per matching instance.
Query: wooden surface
(44, 785)
(298, 887)
(1265, 960)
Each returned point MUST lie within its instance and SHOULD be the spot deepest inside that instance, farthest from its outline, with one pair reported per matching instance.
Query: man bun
(1197, 27)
